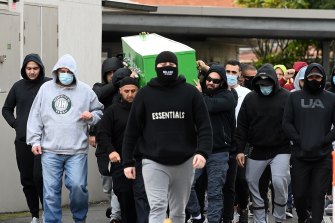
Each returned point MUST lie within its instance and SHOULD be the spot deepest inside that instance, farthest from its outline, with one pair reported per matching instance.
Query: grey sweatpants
(167, 185)
(280, 172)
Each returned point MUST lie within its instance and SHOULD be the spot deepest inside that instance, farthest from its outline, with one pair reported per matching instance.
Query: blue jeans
(216, 167)
(75, 169)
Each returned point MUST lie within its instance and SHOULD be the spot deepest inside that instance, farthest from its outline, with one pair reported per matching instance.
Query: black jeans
(140, 196)
(229, 190)
(30, 168)
(310, 180)
(123, 189)
(242, 189)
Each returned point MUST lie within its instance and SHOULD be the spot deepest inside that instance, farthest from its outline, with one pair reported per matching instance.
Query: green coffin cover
(140, 52)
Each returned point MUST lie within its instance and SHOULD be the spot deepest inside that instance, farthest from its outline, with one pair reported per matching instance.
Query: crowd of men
(168, 148)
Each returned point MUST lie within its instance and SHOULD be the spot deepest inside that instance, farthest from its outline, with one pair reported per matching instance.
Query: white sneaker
(35, 220)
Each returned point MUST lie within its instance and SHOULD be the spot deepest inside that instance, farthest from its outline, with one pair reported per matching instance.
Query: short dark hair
(248, 67)
(234, 63)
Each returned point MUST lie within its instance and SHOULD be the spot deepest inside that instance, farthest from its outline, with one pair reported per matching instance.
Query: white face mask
(231, 79)
(65, 78)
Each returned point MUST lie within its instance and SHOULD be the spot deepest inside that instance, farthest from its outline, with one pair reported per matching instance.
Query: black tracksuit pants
(30, 168)
(310, 180)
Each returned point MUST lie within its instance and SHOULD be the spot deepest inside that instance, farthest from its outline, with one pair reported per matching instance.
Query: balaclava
(166, 74)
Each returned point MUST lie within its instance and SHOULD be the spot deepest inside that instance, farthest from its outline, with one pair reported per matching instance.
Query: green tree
(279, 51)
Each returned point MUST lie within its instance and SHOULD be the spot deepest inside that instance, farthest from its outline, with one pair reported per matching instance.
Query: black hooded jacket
(105, 91)
(221, 107)
(259, 121)
(21, 97)
(308, 120)
(332, 88)
(171, 123)
(110, 134)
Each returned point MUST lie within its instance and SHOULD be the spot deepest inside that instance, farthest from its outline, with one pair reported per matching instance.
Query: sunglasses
(214, 80)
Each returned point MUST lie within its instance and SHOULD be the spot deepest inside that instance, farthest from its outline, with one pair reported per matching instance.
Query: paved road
(96, 214)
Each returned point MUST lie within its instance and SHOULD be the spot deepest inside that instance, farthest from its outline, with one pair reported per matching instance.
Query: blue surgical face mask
(333, 79)
(231, 79)
(266, 90)
(65, 78)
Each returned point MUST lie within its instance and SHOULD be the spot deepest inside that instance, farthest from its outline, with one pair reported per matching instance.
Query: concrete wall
(80, 35)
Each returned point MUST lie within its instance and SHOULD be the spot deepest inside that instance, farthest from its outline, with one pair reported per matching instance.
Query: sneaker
(288, 214)
(202, 220)
(108, 212)
(243, 216)
(115, 221)
(35, 220)
(236, 217)
(329, 209)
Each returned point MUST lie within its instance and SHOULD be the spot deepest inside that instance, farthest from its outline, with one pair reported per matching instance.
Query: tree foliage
(279, 51)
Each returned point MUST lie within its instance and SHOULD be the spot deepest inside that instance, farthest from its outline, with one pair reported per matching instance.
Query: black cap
(128, 81)
(166, 56)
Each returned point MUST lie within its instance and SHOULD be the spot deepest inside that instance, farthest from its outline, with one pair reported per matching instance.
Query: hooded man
(332, 81)
(259, 124)
(110, 136)
(308, 119)
(169, 123)
(221, 104)
(21, 97)
(57, 128)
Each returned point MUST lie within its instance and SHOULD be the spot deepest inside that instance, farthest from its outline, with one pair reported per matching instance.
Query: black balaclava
(166, 74)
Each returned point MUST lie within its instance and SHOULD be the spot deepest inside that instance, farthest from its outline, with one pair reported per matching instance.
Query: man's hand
(240, 159)
(130, 172)
(199, 161)
(86, 115)
(201, 65)
(37, 150)
(114, 157)
(92, 142)
(289, 74)
(197, 85)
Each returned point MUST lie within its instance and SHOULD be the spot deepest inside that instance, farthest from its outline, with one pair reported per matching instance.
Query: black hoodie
(332, 88)
(308, 120)
(21, 97)
(221, 107)
(259, 121)
(171, 123)
(105, 91)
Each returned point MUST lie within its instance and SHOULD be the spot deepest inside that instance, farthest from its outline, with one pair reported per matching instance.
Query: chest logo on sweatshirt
(168, 115)
(312, 103)
(61, 104)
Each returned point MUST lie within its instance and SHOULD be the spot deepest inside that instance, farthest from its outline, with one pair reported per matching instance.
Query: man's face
(128, 92)
(213, 80)
(109, 76)
(233, 70)
(166, 64)
(32, 70)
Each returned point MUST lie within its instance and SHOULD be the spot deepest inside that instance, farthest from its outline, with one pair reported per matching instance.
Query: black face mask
(247, 83)
(314, 85)
(167, 74)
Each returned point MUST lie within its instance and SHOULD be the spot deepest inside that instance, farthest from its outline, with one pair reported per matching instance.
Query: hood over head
(332, 75)
(266, 74)
(37, 59)
(300, 76)
(120, 74)
(66, 61)
(280, 66)
(312, 68)
(110, 64)
(221, 71)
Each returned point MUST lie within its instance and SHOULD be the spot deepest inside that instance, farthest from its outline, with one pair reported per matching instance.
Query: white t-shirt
(241, 92)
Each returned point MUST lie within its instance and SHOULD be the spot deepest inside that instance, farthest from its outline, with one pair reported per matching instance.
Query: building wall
(79, 23)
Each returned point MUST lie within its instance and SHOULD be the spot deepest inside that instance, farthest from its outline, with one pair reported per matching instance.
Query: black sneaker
(244, 216)
(108, 212)
(202, 220)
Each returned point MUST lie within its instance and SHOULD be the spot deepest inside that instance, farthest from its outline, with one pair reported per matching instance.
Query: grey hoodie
(54, 120)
